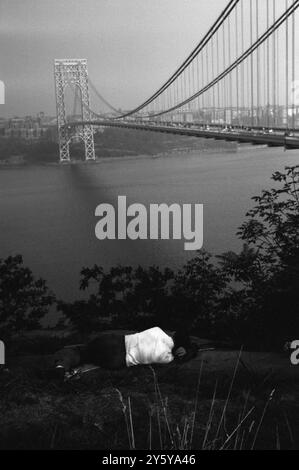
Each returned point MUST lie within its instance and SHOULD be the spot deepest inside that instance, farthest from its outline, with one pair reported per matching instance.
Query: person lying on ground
(115, 351)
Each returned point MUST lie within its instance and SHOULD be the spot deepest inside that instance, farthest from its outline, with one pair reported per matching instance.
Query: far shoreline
(100, 160)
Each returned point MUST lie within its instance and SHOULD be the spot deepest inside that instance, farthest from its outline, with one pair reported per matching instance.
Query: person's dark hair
(181, 339)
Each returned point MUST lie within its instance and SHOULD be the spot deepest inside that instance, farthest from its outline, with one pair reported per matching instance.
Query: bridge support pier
(72, 72)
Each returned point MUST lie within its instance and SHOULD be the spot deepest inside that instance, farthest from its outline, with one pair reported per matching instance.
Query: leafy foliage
(24, 300)
(268, 266)
(273, 224)
(198, 293)
(127, 297)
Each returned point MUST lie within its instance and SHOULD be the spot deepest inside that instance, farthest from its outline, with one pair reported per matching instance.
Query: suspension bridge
(240, 83)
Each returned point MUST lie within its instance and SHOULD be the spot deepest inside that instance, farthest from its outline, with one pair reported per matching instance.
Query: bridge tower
(72, 72)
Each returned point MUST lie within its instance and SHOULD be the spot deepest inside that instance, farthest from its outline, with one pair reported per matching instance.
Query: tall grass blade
(229, 394)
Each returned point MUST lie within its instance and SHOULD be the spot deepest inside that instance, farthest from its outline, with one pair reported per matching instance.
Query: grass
(173, 436)
(148, 408)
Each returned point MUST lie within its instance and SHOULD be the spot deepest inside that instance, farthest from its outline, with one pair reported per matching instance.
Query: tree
(268, 266)
(129, 298)
(198, 293)
(273, 224)
(24, 300)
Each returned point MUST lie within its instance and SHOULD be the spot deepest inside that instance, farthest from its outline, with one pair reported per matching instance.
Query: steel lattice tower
(72, 72)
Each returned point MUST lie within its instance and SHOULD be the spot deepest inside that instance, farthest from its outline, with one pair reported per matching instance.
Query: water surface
(47, 212)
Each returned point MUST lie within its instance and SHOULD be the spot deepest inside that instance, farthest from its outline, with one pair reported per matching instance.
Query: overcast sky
(132, 46)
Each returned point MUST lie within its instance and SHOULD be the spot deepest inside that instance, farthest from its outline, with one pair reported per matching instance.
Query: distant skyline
(132, 46)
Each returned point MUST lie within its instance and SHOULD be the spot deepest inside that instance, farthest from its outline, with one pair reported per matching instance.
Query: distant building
(2, 127)
(28, 128)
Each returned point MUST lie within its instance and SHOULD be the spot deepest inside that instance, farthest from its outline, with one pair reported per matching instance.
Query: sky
(132, 46)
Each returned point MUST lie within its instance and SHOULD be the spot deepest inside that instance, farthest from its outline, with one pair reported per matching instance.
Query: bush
(24, 300)
(268, 266)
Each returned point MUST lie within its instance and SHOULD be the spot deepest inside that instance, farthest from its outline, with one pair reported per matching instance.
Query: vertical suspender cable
(212, 56)
(248, 98)
(237, 68)
(242, 65)
(208, 104)
(251, 64)
(185, 85)
(189, 80)
(274, 66)
(224, 80)
(218, 84)
(203, 81)
(257, 67)
(178, 89)
(197, 73)
(264, 97)
(268, 69)
(230, 74)
(293, 70)
(193, 80)
(278, 77)
(287, 69)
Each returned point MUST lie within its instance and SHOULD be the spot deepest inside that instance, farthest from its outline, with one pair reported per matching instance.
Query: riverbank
(166, 154)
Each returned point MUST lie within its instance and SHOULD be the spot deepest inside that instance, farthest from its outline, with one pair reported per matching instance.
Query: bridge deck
(273, 139)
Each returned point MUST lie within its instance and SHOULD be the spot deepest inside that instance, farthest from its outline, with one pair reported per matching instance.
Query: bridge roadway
(256, 135)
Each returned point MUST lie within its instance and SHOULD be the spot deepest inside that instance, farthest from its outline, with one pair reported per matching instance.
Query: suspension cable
(218, 23)
(244, 56)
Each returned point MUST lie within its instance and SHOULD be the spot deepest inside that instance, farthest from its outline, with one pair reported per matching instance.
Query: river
(47, 212)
